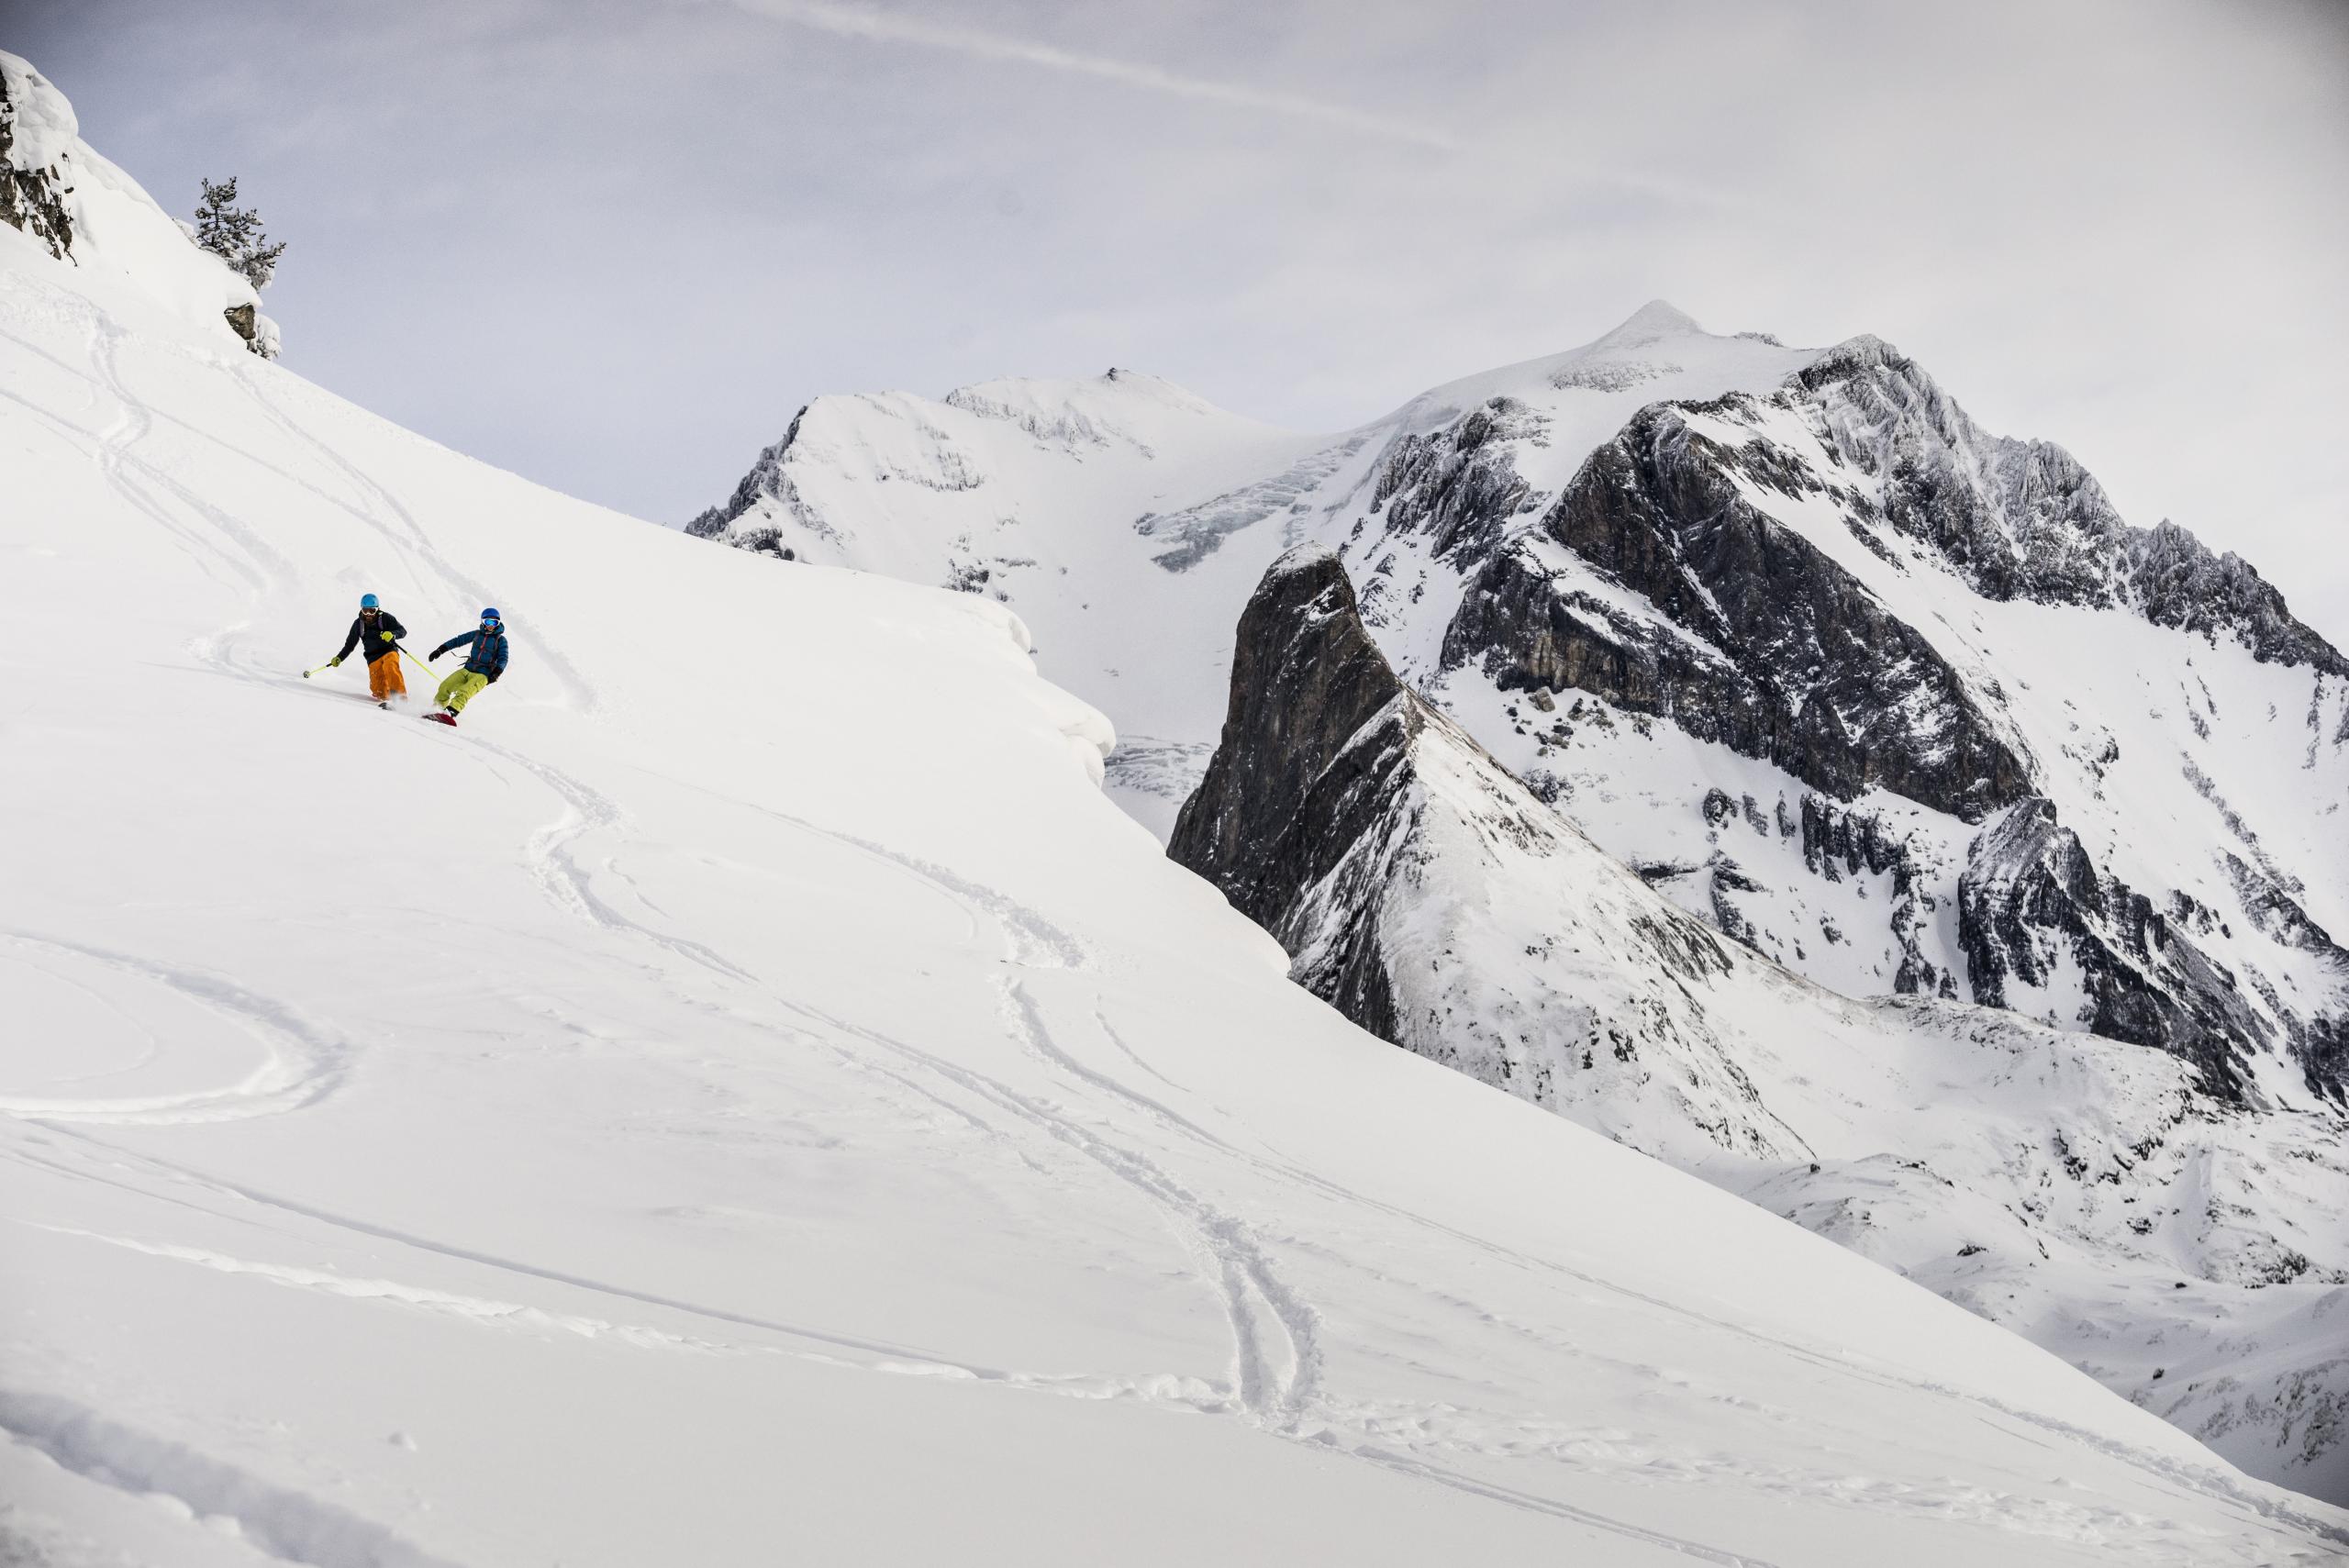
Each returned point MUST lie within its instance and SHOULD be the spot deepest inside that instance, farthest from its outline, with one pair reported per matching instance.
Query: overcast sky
(614, 244)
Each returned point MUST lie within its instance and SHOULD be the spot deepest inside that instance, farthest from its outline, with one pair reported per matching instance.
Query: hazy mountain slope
(2080, 1191)
(683, 1111)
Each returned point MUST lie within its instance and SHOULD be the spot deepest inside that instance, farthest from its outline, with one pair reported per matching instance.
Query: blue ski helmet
(369, 602)
(490, 614)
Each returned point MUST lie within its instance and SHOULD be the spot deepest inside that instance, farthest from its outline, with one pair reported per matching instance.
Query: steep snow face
(2077, 1190)
(58, 191)
(678, 1112)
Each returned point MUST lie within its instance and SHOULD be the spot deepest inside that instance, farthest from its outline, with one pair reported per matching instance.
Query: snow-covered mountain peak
(1658, 319)
(61, 195)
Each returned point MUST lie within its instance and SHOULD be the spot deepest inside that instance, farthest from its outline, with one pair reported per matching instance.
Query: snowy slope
(2078, 1190)
(682, 1116)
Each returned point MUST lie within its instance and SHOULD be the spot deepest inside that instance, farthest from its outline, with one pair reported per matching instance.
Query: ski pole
(418, 662)
(328, 665)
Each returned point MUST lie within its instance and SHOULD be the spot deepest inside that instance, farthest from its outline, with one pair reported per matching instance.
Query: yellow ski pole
(419, 662)
(328, 665)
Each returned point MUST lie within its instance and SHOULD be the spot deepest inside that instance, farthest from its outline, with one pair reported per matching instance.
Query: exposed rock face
(1351, 820)
(31, 199)
(2035, 916)
(1699, 569)
(1839, 843)
(1456, 485)
(1771, 647)
(766, 480)
(1316, 747)
(2022, 520)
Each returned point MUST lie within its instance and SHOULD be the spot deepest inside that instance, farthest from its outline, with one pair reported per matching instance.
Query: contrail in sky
(882, 27)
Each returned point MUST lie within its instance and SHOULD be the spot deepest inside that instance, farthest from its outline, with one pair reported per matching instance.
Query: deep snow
(747, 1094)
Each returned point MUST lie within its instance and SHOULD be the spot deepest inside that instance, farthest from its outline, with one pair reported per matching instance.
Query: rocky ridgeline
(2022, 519)
(1658, 580)
(768, 480)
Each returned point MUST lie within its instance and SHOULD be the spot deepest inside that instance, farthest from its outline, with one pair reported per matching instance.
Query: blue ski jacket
(488, 657)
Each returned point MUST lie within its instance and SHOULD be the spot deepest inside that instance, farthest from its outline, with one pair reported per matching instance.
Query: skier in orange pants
(376, 633)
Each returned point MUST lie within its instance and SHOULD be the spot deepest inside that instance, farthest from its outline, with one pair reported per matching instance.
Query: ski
(437, 718)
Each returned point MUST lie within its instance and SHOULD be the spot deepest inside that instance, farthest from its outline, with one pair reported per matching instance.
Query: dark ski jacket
(488, 657)
(370, 638)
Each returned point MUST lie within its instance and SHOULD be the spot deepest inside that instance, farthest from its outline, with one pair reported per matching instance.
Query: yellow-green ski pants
(458, 689)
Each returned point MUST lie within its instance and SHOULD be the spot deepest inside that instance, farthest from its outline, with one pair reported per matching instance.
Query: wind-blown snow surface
(746, 1095)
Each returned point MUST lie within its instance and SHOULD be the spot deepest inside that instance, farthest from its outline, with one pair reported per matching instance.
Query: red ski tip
(439, 718)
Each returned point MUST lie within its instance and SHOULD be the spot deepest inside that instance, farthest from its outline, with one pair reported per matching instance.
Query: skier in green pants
(482, 667)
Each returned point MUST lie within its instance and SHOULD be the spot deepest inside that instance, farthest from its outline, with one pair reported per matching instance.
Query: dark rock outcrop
(2030, 898)
(1764, 643)
(1315, 741)
(1455, 485)
(31, 200)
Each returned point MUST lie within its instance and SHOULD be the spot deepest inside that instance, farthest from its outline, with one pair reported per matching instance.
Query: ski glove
(335, 663)
(387, 637)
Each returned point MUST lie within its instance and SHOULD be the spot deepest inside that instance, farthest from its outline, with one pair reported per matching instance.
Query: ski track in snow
(255, 565)
(1278, 1361)
(300, 1062)
(294, 1526)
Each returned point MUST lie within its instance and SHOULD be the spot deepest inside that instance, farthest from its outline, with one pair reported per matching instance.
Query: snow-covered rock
(2079, 1190)
(59, 191)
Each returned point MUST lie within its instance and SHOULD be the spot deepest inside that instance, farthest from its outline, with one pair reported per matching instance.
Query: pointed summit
(1657, 318)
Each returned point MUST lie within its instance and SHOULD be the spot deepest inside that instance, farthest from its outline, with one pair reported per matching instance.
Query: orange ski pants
(384, 678)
